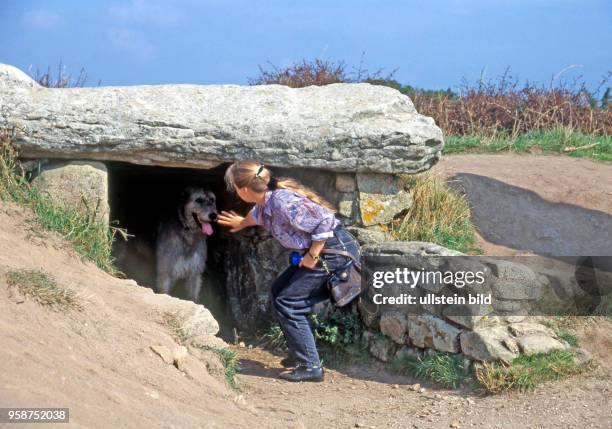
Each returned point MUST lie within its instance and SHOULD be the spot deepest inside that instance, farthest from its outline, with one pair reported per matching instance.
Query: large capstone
(339, 127)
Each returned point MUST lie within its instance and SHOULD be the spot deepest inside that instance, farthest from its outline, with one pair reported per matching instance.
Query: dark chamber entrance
(143, 196)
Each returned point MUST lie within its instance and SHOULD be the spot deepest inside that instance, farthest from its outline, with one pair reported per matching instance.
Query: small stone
(455, 424)
(241, 344)
(164, 353)
(422, 390)
(415, 387)
(396, 386)
(179, 354)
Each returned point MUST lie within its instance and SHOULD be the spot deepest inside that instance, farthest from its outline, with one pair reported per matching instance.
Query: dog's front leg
(194, 283)
(164, 282)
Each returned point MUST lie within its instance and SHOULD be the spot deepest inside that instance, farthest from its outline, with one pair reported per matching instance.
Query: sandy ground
(577, 182)
(98, 362)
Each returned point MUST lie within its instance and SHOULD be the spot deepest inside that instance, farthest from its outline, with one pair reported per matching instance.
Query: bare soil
(98, 362)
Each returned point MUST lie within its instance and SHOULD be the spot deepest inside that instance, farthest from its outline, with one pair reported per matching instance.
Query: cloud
(131, 42)
(157, 13)
(43, 19)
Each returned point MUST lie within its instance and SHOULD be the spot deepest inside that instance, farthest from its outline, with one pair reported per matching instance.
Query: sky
(431, 44)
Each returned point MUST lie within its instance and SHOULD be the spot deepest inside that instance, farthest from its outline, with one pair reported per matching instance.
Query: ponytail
(258, 178)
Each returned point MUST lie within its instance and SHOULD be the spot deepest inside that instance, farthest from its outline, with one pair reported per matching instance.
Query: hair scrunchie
(272, 184)
(261, 167)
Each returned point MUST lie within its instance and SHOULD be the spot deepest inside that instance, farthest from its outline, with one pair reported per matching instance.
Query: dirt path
(525, 202)
(373, 398)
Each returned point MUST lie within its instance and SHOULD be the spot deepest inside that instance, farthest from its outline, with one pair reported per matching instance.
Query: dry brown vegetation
(487, 108)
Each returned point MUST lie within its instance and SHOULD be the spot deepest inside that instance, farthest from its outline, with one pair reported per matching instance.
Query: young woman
(301, 220)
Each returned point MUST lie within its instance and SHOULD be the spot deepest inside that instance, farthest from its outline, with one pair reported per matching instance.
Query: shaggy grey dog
(181, 249)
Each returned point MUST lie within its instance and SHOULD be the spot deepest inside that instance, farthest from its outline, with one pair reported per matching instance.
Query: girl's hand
(308, 262)
(231, 219)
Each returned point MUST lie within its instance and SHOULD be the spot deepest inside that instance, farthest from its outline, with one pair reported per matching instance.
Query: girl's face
(245, 194)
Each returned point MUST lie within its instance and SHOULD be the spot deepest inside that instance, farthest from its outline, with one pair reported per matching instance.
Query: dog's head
(199, 209)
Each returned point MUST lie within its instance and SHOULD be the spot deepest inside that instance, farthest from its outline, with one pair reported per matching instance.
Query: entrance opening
(140, 198)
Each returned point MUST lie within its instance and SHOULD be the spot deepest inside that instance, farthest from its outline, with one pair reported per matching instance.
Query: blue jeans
(297, 289)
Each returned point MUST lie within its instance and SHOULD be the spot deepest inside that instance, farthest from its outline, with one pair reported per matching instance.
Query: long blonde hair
(256, 177)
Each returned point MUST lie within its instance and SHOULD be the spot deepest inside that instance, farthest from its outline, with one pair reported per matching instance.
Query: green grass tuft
(443, 368)
(43, 288)
(229, 360)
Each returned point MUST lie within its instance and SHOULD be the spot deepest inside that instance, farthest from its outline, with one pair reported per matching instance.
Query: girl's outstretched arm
(235, 221)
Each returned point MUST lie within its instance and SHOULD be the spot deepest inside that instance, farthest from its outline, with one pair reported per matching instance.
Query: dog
(181, 248)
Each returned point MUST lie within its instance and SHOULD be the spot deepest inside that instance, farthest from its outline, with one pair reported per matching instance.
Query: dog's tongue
(207, 228)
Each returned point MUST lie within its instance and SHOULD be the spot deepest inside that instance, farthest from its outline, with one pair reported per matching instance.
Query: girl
(301, 220)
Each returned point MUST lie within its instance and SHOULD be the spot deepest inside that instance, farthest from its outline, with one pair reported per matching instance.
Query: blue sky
(432, 44)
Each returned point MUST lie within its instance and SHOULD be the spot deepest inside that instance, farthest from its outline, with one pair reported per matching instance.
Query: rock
(369, 236)
(407, 248)
(346, 182)
(489, 344)
(538, 343)
(164, 353)
(179, 354)
(395, 326)
(77, 185)
(11, 77)
(339, 127)
(473, 322)
(515, 281)
(529, 328)
(206, 340)
(381, 198)
(432, 332)
(199, 322)
(382, 348)
(408, 352)
(582, 357)
(346, 204)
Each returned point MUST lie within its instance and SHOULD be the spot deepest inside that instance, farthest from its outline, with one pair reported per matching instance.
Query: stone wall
(508, 327)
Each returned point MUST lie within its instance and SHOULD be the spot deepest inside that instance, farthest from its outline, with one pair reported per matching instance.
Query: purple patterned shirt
(294, 220)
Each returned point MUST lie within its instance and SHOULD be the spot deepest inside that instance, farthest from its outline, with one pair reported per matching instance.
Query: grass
(91, 238)
(43, 289)
(526, 372)
(443, 368)
(438, 214)
(560, 141)
(229, 360)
